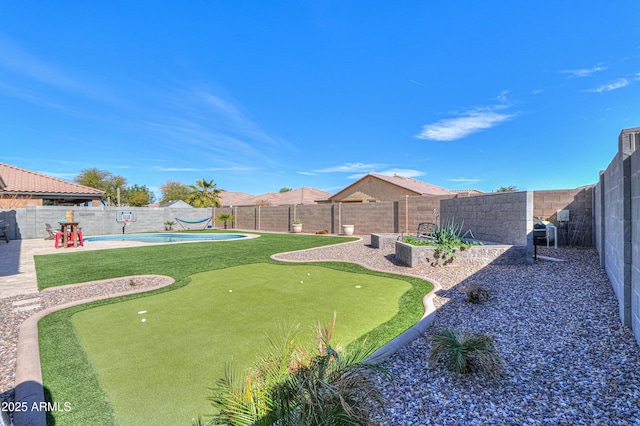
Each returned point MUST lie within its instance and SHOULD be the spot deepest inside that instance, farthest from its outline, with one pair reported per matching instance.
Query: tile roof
(21, 181)
(418, 186)
(231, 198)
(301, 195)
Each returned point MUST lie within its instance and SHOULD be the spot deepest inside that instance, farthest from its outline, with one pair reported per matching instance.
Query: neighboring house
(377, 187)
(176, 204)
(302, 195)
(230, 198)
(20, 188)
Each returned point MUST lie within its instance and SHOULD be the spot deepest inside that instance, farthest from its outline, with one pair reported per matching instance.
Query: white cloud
(463, 180)
(402, 172)
(350, 167)
(457, 128)
(584, 72)
(618, 84)
(15, 59)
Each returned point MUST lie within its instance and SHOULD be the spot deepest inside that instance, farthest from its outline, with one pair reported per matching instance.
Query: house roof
(22, 181)
(230, 198)
(176, 203)
(418, 187)
(301, 195)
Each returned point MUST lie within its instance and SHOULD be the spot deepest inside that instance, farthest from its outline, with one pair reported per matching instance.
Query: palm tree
(204, 194)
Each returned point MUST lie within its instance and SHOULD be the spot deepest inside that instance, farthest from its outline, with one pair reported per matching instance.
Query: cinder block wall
(30, 222)
(617, 226)
(501, 217)
(579, 202)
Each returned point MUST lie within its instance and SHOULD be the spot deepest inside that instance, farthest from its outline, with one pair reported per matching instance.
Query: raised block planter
(415, 256)
(384, 241)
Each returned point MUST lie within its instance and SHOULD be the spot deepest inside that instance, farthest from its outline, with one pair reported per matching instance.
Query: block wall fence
(616, 206)
(500, 217)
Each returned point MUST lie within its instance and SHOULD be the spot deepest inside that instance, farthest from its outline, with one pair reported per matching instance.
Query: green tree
(204, 194)
(104, 181)
(137, 196)
(174, 190)
(510, 188)
(285, 189)
(225, 217)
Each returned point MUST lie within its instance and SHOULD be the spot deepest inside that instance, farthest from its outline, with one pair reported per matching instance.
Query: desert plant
(292, 385)
(169, 225)
(476, 294)
(225, 217)
(296, 221)
(464, 352)
(447, 238)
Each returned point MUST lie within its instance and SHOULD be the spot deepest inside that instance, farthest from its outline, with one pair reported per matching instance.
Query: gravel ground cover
(567, 360)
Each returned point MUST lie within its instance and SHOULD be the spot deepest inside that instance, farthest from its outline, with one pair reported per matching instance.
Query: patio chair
(424, 233)
(52, 232)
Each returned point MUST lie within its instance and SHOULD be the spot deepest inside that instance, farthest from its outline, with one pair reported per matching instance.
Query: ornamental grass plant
(464, 352)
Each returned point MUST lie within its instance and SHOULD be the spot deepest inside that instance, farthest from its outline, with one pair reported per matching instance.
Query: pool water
(166, 238)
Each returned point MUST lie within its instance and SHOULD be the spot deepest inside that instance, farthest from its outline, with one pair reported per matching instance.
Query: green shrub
(464, 352)
(476, 294)
(292, 385)
(447, 238)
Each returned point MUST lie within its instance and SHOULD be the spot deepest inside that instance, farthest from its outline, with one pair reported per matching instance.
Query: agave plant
(464, 352)
(291, 385)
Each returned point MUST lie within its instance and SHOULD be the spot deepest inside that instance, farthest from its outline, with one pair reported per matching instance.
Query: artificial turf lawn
(189, 333)
(67, 372)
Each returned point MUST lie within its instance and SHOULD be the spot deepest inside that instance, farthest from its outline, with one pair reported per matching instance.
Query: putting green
(155, 356)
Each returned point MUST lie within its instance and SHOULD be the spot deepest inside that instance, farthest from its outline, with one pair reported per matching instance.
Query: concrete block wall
(501, 217)
(579, 202)
(31, 221)
(617, 226)
(633, 256)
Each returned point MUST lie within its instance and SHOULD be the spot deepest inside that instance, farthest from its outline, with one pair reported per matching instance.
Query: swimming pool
(167, 238)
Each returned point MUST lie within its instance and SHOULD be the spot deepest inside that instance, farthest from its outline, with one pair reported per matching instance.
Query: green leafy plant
(447, 238)
(225, 217)
(476, 294)
(464, 352)
(292, 385)
(296, 221)
(169, 225)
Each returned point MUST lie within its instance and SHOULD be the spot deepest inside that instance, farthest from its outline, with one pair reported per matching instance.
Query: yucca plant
(464, 352)
(294, 386)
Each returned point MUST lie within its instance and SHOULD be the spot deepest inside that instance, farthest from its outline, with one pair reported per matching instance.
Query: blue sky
(260, 95)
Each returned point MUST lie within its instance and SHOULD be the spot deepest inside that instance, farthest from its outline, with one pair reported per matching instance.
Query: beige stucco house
(377, 187)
